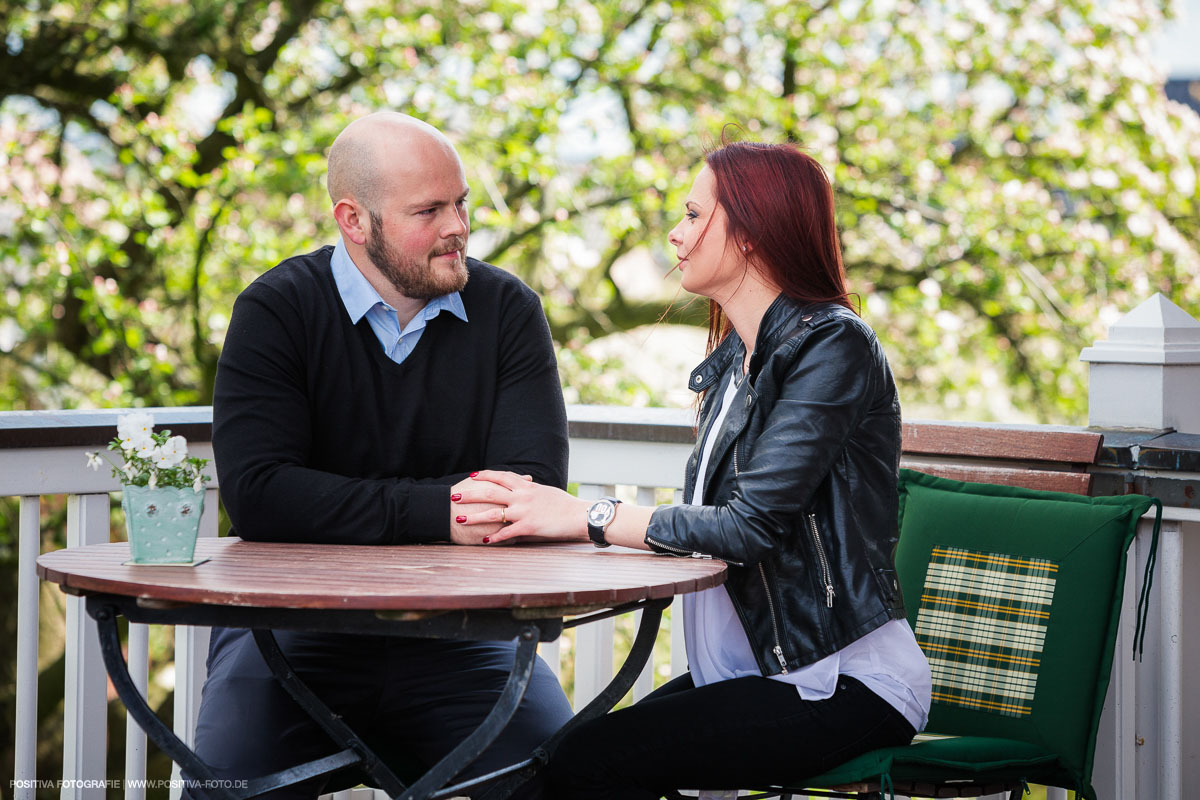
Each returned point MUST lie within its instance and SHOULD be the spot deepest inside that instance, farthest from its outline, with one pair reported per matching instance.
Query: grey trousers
(411, 700)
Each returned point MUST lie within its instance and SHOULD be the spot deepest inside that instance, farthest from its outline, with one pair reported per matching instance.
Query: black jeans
(734, 734)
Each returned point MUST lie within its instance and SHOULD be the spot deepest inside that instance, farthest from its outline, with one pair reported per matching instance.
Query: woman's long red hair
(779, 203)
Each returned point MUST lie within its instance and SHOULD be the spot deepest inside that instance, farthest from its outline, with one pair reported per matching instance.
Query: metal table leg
(639, 654)
(206, 782)
(622, 682)
(510, 698)
(114, 661)
(332, 724)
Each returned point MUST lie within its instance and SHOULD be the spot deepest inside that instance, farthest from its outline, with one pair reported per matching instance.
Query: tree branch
(516, 237)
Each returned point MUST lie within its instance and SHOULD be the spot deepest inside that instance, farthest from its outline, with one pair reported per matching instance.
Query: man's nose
(456, 223)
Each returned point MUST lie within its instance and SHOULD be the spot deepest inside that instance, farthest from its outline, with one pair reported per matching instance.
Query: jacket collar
(710, 370)
(777, 316)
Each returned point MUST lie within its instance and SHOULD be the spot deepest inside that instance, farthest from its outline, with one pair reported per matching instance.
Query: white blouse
(887, 660)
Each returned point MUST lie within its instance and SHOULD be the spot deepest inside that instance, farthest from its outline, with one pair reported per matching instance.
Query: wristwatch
(600, 515)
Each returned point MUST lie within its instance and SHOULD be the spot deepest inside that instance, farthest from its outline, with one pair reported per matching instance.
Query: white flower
(130, 470)
(198, 484)
(133, 429)
(145, 449)
(172, 452)
(93, 460)
(153, 482)
(137, 441)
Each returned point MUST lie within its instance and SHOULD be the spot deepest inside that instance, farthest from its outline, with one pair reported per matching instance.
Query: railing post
(85, 728)
(645, 680)
(594, 641)
(679, 663)
(29, 546)
(135, 738)
(1147, 373)
(1169, 585)
(1146, 376)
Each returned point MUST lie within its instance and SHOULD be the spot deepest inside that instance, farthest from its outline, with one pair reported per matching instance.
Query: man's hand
(531, 510)
(471, 534)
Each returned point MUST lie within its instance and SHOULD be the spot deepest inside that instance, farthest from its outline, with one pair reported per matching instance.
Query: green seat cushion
(957, 758)
(1014, 596)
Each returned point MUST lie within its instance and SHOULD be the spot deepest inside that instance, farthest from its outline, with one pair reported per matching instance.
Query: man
(359, 386)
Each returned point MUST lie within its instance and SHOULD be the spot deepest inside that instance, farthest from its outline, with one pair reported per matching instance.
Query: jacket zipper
(778, 649)
(826, 572)
(675, 549)
(691, 553)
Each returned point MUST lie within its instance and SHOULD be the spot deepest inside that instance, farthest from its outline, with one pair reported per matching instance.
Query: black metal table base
(353, 751)
(331, 723)
(639, 654)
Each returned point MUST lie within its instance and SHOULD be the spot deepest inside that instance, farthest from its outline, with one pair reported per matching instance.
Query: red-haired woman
(803, 659)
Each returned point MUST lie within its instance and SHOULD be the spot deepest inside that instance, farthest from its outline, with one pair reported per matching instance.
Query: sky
(1181, 41)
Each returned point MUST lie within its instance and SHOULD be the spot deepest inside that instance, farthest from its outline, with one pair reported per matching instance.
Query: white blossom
(198, 484)
(134, 429)
(93, 460)
(153, 482)
(171, 453)
(145, 448)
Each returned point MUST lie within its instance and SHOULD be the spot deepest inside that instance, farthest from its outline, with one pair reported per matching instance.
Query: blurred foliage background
(1010, 176)
(1010, 179)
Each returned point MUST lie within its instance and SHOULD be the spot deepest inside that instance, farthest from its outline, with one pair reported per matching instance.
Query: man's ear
(352, 219)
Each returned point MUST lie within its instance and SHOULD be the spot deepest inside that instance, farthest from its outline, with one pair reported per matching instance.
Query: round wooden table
(442, 591)
(411, 577)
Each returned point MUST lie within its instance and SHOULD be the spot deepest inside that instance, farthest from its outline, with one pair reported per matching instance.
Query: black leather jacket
(800, 497)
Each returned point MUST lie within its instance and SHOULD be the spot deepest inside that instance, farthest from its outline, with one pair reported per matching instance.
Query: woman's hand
(529, 509)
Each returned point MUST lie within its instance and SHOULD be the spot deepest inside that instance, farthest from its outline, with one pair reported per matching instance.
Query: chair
(1014, 595)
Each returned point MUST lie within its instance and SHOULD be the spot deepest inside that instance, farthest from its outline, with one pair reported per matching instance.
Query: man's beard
(414, 278)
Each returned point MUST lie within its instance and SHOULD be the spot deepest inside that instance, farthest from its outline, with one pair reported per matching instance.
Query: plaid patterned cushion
(1015, 596)
(982, 623)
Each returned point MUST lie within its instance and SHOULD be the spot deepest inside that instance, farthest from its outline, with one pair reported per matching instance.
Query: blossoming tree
(1009, 175)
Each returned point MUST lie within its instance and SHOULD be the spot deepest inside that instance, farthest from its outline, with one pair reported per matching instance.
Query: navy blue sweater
(320, 437)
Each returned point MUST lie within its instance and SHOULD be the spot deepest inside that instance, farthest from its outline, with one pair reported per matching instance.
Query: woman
(803, 659)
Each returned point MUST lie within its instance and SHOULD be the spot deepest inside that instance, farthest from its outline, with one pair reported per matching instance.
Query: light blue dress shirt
(361, 300)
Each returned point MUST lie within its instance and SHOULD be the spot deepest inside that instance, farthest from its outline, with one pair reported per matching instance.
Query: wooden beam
(1010, 442)
(1049, 480)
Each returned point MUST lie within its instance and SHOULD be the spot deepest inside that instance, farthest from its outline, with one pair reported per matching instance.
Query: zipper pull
(829, 595)
(782, 661)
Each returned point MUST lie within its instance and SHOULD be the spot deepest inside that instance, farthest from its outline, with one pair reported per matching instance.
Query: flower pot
(162, 523)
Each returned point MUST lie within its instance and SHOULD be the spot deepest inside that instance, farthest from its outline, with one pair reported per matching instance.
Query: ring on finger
(503, 516)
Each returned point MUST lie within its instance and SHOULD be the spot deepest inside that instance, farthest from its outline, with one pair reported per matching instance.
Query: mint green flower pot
(162, 523)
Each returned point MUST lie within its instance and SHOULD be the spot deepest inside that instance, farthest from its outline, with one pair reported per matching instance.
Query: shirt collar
(359, 296)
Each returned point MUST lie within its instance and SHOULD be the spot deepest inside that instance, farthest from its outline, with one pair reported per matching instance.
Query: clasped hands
(491, 507)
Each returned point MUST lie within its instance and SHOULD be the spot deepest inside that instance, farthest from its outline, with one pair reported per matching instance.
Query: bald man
(359, 385)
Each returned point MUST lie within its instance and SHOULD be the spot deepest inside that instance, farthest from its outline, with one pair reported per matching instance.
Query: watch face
(601, 513)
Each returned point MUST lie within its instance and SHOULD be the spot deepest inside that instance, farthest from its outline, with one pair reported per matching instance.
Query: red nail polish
(473, 474)
(456, 497)
(487, 539)
(460, 520)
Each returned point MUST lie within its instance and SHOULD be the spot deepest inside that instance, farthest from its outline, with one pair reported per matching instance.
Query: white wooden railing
(33, 472)
(37, 470)
(1149, 730)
